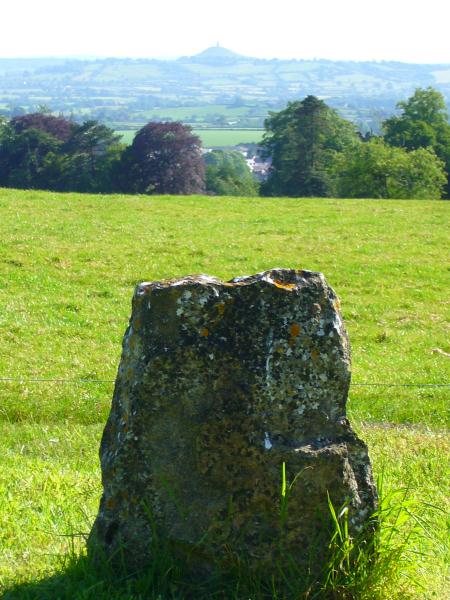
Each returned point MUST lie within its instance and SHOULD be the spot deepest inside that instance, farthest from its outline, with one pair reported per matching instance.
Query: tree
(92, 153)
(423, 123)
(227, 174)
(58, 127)
(24, 157)
(5, 134)
(164, 158)
(30, 148)
(376, 170)
(302, 141)
(53, 153)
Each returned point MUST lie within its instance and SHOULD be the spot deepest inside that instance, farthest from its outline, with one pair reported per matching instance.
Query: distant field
(214, 137)
(69, 264)
(229, 137)
(199, 112)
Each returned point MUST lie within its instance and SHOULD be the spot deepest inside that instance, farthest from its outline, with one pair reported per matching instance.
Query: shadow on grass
(79, 579)
(76, 580)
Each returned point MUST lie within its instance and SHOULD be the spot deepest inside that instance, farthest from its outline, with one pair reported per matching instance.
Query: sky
(402, 30)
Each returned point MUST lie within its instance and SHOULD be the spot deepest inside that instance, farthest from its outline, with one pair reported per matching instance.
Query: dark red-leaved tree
(58, 127)
(164, 158)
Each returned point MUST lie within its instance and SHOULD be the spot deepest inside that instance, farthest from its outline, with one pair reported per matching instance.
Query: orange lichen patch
(221, 308)
(295, 329)
(204, 332)
(284, 286)
(337, 304)
(314, 355)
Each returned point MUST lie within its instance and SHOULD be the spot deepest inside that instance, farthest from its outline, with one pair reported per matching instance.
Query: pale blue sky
(404, 30)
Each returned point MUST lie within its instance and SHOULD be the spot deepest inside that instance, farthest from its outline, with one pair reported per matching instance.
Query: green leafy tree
(39, 150)
(227, 174)
(30, 147)
(5, 135)
(423, 123)
(377, 170)
(164, 158)
(302, 141)
(23, 158)
(92, 153)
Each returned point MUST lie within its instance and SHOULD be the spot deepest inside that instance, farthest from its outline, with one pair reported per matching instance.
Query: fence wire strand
(24, 380)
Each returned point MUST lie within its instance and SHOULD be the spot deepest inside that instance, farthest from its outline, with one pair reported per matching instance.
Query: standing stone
(221, 387)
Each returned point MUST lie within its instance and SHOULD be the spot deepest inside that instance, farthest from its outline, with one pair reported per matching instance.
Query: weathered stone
(219, 384)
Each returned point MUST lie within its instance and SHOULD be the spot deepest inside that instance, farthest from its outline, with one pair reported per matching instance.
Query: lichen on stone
(219, 385)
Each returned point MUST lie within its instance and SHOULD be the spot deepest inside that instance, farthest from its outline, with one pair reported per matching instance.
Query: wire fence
(96, 381)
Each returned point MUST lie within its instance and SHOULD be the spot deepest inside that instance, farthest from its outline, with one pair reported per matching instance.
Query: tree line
(43, 151)
(313, 152)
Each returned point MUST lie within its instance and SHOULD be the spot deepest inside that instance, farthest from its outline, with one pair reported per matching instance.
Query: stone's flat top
(287, 279)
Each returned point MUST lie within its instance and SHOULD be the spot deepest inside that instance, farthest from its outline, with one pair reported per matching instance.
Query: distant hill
(223, 88)
(214, 54)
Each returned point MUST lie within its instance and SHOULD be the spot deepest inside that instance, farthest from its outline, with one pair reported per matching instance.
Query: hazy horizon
(348, 30)
(185, 54)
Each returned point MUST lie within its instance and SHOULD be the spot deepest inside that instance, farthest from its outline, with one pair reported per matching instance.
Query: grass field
(69, 264)
(212, 137)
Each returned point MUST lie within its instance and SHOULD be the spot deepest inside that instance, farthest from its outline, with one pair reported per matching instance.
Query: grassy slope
(68, 267)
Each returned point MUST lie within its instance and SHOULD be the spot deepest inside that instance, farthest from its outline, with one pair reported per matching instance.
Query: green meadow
(212, 137)
(69, 264)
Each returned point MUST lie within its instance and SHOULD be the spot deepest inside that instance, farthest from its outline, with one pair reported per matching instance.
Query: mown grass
(68, 267)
